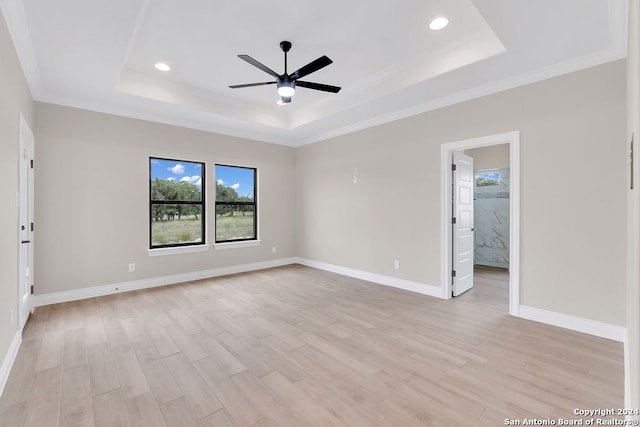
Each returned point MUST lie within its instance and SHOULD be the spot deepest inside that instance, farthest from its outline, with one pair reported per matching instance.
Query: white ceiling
(100, 55)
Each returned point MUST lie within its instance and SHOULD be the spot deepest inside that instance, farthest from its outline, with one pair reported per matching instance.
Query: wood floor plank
(188, 345)
(179, 413)
(204, 401)
(242, 410)
(294, 346)
(109, 410)
(94, 332)
(160, 338)
(13, 415)
(143, 411)
(163, 385)
(41, 414)
(44, 401)
(216, 351)
(218, 419)
(75, 352)
(302, 404)
(52, 350)
(130, 375)
(137, 335)
(102, 370)
(46, 385)
(21, 377)
(186, 323)
(76, 406)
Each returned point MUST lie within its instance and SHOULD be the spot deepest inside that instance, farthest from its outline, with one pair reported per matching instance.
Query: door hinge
(31, 163)
(31, 289)
(31, 226)
(453, 273)
(453, 166)
(453, 220)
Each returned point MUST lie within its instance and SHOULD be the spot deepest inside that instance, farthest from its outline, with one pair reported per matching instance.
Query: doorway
(26, 222)
(447, 261)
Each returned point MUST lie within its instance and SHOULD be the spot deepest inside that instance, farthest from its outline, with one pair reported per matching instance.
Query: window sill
(235, 245)
(177, 250)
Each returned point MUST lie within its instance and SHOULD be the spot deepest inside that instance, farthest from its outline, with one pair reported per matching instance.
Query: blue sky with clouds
(240, 179)
(177, 171)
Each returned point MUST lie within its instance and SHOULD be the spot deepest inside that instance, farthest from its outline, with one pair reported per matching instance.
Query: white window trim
(235, 245)
(176, 250)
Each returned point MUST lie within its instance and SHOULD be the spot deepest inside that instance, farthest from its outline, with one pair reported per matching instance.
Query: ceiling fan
(286, 82)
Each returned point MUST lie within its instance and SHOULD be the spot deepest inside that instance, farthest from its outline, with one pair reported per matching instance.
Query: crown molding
(19, 31)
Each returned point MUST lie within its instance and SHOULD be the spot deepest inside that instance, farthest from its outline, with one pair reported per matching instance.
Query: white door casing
(25, 226)
(462, 230)
(446, 155)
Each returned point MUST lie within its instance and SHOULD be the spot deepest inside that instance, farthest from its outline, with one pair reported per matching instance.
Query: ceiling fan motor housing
(285, 46)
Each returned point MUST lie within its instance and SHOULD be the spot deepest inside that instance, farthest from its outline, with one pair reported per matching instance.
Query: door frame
(26, 141)
(446, 150)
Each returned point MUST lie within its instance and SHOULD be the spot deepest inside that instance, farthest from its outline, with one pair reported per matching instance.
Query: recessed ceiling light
(162, 66)
(439, 23)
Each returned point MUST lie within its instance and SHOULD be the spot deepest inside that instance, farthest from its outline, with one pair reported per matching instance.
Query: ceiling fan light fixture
(286, 88)
(439, 23)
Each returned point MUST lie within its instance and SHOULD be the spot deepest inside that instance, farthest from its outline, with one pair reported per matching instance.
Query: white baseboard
(97, 291)
(10, 357)
(579, 324)
(407, 285)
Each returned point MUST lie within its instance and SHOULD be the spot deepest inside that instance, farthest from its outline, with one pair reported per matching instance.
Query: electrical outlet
(274, 250)
(396, 264)
(132, 267)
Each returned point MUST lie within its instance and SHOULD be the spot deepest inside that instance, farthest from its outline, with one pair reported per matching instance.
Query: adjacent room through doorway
(491, 219)
(494, 217)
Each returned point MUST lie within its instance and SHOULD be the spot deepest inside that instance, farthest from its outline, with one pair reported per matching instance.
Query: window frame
(201, 203)
(236, 203)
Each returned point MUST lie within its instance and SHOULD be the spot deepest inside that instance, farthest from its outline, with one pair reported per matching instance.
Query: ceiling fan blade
(311, 67)
(260, 65)
(251, 85)
(318, 86)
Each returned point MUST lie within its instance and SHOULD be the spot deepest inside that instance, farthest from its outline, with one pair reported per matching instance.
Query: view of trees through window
(176, 202)
(235, 203)
(487, 179)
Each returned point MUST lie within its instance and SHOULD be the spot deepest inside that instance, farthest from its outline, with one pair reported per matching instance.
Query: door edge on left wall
(25, 194)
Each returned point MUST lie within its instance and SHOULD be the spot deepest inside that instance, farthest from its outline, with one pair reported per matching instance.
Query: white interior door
(26, 221)
(463, 245)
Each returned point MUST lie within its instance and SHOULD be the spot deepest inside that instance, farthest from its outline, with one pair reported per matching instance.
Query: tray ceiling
(100, 55)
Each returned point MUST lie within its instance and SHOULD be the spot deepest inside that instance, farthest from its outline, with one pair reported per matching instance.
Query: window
(487, 178)
(236, 209)
(176, 203)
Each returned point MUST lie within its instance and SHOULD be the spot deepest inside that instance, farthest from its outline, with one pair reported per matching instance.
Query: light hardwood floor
(294, 346)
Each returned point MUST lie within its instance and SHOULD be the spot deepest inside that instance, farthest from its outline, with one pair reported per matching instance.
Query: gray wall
(492, 157)
(15, 99)
(573, 202)
(92, 197)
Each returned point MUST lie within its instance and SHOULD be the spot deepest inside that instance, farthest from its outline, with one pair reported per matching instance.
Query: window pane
(235, 184)
(235, 222)
(487, 178)
(176, 224)
(176, 180)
